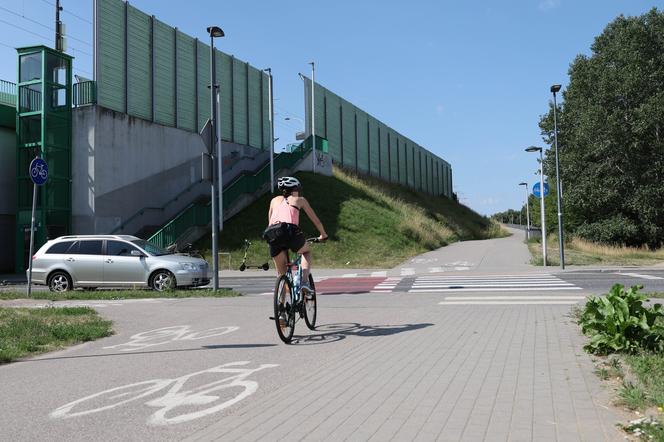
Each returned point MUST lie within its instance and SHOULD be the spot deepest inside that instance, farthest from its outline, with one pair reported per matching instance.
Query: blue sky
(467, 80)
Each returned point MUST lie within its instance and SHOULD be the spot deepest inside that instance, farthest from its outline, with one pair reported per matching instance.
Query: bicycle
(288, 302)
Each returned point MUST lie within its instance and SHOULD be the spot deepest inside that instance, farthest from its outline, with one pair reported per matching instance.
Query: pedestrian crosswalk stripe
(490, 283)
(514, 298)
(509, 303)
(638, 275)
(495, 289)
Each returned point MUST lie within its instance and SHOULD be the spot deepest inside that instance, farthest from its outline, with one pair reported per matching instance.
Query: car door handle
(70, 260)
(109, 261)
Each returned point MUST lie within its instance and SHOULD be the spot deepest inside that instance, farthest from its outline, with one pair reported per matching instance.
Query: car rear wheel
(163, 280)
(60, 282)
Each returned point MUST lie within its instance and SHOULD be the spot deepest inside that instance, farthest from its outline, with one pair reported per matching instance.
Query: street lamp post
(271, 117)
(313, 117)
(214, 32)
(555, 88)
(527, 212)
(540, 150)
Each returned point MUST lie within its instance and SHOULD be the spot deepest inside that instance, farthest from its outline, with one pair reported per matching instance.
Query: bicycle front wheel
(284, 309)
(310, 308)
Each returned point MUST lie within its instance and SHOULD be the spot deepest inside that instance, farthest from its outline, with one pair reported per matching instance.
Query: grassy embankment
(25, 332)
(582, 252)
(117, 294)
(371, 223)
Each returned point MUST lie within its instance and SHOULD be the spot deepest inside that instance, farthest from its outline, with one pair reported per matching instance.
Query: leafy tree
(611, 135)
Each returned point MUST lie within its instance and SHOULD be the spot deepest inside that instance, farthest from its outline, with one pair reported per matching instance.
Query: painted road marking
(495, 289)
(490, 283)
(387, 286)
(382, 274)
(509, 303)
(180, 403)
(513, 298)
(407, 272)
(638, 275)
(165, 335)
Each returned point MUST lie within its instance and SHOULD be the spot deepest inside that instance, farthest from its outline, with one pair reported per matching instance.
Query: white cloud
(547, 5)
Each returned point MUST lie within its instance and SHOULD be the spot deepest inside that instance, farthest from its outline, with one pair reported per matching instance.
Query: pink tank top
(285, 213)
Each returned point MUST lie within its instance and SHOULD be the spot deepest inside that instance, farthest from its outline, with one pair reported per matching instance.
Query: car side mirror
(136, 253)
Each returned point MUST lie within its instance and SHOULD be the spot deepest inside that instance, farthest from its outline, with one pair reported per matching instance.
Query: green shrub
(617, 230)
(619, 322)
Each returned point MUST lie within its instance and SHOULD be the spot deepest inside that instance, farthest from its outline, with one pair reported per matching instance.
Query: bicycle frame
(289, 274)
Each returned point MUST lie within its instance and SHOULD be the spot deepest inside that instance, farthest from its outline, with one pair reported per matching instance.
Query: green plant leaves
(619, 322)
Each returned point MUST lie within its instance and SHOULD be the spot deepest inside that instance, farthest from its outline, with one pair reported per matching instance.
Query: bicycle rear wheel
(310, 307)
(284, 310)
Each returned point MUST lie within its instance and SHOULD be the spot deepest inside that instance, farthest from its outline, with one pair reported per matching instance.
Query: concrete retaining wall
(123, 165)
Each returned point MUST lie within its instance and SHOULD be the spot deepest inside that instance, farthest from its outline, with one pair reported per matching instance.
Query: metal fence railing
(200, 214)
(7, 93)
(84, 93)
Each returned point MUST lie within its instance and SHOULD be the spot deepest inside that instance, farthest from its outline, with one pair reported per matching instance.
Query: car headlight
(188, 266)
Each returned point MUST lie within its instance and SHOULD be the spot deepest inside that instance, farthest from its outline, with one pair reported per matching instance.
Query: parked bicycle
(289, 302)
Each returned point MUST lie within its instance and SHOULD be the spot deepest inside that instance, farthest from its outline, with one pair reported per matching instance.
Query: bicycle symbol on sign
(175, 406)
(39, 171)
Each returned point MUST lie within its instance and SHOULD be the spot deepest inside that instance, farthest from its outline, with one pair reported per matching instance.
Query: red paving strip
(343, 286)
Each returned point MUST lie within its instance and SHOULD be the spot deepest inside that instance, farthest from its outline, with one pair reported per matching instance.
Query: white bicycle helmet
(288, 183)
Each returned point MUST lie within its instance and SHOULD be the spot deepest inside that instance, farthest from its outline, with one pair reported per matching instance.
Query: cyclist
(283, 230)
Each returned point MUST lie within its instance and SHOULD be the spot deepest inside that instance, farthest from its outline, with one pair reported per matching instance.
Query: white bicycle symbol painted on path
(209, 395)
(161, 336)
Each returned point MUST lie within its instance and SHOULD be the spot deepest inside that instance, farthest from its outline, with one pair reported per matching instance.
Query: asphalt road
(593, 282)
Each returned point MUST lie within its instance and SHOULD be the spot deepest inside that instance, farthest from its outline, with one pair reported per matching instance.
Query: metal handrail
(7, 93)
(200, 213)
(162, 208)
(84, 93)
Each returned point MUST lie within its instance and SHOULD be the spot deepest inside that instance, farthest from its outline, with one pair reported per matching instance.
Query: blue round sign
(38, 171)
(536, 189)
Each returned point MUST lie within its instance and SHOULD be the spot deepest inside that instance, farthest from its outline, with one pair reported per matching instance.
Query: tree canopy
(611, 135)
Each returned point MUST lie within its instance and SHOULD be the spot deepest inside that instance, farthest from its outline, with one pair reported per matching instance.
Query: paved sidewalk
(500, 255)
(461, 373)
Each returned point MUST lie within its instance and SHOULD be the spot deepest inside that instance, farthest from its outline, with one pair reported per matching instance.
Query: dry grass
(616, 251)
(582, 252)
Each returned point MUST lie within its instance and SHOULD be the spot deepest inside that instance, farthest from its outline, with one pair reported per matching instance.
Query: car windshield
(150, 248)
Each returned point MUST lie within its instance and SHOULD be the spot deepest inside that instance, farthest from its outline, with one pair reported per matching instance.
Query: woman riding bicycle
(283, 230)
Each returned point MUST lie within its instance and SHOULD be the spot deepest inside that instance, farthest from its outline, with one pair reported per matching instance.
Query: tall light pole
(214, 32)
(527, 212)
(270, 92)
(59, 46)
(313, 117)
(556, 88)
(540, 150)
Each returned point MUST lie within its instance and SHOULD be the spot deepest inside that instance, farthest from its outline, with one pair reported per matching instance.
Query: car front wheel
(60, 282)
(162, 281)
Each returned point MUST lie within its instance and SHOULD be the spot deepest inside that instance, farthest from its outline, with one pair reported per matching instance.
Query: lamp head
(215, 31)
(533, 149)
(555, 88)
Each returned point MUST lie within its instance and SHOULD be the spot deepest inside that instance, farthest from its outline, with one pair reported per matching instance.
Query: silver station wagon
(91, 261)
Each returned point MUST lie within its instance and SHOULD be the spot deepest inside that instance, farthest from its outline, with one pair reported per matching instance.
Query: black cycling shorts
(293, 240)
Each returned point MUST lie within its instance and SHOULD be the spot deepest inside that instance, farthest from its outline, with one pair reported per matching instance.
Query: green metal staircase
(195, 219)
